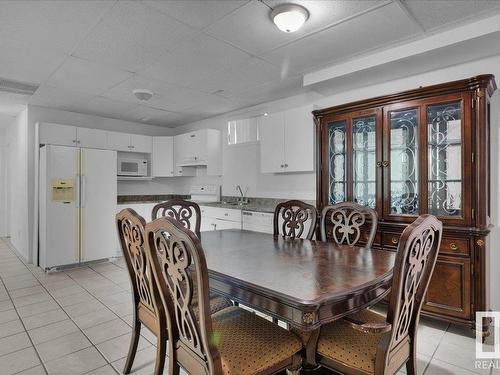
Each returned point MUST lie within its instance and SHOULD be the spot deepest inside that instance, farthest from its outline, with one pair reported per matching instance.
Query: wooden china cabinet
(421, 151)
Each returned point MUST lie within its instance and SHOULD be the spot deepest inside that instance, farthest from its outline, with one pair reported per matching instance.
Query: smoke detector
(143, 94)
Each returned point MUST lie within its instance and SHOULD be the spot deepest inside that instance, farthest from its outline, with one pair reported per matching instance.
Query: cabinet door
(118, 141)
(448, 160)
(141, 143)
(272, 145)
(335, 155)
(163, 157)
(55, 134)
(402, 197)
(92, 138)
(450, 286)
(299, 140)
(196, 147)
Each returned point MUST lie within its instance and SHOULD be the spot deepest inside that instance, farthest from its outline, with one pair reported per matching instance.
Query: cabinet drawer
(221, 213)
(363, 238)
(450, 287)
(390, 239)
(454, 246)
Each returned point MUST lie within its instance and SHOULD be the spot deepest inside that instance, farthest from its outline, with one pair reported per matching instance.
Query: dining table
(304, 283)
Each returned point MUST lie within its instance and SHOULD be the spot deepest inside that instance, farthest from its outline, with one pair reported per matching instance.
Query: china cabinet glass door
(337, 176)
(401, 162)
(364, 163)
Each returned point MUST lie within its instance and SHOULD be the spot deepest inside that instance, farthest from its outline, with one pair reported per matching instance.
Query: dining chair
(295, 219)
(348, 220)
(148, 306)
(186, 212)
(370, 343)
(232, 341)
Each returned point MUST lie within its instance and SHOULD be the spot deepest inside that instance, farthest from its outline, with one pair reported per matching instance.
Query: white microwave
(132, 167)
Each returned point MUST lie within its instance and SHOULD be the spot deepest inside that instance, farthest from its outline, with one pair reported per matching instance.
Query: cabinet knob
(286, 165)
(453, 246)
(193, 135)
(385, 163)
(394, 240)
(379, 164)
(226, 214)
(74, 140)
(282, 165)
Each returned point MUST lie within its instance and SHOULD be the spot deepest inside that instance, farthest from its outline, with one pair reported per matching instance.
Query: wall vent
(17, 87)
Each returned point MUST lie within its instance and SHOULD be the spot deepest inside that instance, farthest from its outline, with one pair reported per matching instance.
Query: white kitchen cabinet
(130, 142)
(141, 143)
(299, 140)
(216, 218)
(257, 221)
(287, 141)
(119, 141)
(201, 148)
(163, 156)
(272, 143)
(56, 134)
(92, 138)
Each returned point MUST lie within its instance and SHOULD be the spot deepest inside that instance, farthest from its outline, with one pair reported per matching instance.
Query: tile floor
(78, 322)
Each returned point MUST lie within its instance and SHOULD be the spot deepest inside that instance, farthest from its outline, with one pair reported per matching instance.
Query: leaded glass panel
(337, 157)
(444, 139)
(404, 162)
(364, 163)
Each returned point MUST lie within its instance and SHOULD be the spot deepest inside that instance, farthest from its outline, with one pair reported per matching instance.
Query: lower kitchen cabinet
(257, 221)
(216, 218)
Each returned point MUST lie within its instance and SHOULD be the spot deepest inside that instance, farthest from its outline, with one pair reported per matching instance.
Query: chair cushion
(217, 303)
(249, 344)
(340, 342)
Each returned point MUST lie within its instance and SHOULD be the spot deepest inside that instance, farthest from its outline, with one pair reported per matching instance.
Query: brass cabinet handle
(453, 246)
(394, 240)
(379, 164)
(385, 163)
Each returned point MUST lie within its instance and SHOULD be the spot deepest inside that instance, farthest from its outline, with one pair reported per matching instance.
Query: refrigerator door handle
(83, 192)
(77, 191)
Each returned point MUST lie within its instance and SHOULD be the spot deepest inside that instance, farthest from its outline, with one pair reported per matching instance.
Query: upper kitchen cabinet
(56, 134)
(199, 149)
(130, 142)
(163, 156)
(287, 141)
(92, 138)
(66, 135)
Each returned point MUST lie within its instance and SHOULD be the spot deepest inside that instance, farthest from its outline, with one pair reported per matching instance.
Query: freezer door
(59, 214)
(98, 204)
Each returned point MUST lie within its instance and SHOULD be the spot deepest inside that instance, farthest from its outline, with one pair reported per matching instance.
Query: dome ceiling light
(289, 17)
(143, 94)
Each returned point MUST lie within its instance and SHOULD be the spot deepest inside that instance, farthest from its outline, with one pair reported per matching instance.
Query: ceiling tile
(195, 59)
(272, 91)
(86, 76)
(56, 25)
(27, 63)
(152, 116)
(107, 107)
(250, 73)
(250, 26)
(48, 96)
(132, 36)
(375, 29)
(434, 14)
(196, 13)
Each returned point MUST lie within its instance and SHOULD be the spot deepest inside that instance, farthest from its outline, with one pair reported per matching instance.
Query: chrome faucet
(242, 199)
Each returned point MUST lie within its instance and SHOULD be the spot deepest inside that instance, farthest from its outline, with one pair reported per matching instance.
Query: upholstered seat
(249, 344)
(340, 342)
(217, 303)
(370, 343)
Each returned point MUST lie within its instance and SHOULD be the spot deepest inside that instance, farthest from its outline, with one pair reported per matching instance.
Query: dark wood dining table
(301, 282)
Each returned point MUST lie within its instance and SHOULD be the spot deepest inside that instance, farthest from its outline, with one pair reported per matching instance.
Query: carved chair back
(415, 260)
(144, 293)
(179, 265)
(295, 219)
(187, 213)
(348, 220)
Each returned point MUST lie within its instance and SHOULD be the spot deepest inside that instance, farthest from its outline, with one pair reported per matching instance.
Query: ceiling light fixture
(289, 17)
(143, 94)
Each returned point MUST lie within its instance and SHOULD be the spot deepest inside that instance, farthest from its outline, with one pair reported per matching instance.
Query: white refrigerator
(78, 189)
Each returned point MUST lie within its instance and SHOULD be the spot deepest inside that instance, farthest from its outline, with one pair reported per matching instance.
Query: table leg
(310, 342)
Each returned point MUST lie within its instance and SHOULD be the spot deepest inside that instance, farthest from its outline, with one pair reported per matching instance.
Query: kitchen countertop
(255, 204)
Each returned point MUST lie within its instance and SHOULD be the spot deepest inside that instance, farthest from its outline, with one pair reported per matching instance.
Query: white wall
(3, 184)
(241, 166)
(18, 215)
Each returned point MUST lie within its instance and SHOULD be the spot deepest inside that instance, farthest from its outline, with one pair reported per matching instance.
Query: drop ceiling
(200, 58)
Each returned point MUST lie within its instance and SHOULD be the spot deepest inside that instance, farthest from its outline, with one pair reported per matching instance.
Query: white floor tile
(14, 343)
(107, 330)
(45, 318)
(117, 348)
(62, 346)
(52, 331)
(76, 363)
(18, 361)
(11, 328)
